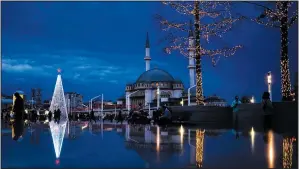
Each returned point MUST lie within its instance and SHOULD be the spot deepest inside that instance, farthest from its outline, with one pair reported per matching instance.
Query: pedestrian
(58, 115)
(18, 125)
(235, 105)
(119, 117)
(50, 116)
(92, 117)
(267, 110)
(18, 107)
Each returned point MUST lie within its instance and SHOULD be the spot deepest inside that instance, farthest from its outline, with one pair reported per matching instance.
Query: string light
(223, 22)
(287, 158)
(199, 147)
(279, 18)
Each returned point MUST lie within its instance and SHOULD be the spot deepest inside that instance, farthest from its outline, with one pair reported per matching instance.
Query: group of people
(162, 116)
(57, 115)
(267, 111)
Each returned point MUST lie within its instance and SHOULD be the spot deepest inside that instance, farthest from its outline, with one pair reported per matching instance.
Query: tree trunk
(199, 88)
(284, 60)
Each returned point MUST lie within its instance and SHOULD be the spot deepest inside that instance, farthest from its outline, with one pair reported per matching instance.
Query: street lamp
(102, 108)
(252, 100)
(182, 102)
(189, 94)
(269, 80)
(158, 96)
(128, 102)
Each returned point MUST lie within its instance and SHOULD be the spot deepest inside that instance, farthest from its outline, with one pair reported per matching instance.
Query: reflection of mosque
(151, 141)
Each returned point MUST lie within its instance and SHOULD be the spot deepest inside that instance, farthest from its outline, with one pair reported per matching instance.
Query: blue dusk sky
(100, 47)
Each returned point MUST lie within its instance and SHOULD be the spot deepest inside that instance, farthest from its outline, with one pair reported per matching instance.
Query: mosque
(153, 81)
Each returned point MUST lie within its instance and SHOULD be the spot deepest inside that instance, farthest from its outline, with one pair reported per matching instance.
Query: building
(215, 101)
(73, 99)
(145, 89)
(36, 96)
(6, 101)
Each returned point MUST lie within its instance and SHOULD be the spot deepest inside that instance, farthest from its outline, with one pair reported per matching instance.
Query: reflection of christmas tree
(57, 132)
(58, 100)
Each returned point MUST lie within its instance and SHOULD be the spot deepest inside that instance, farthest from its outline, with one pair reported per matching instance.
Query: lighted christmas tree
(58, 100)
(211, 19)
(278, 15)
(58, 129)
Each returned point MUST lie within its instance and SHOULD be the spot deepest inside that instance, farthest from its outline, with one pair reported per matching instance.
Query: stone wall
(285, 116)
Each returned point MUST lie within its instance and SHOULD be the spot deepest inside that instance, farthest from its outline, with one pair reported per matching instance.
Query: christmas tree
(58, 100)
(58, 129)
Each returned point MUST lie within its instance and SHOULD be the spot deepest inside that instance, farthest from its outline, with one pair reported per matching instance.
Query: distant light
(269, 78)
(252, 134)
(182, 102)
(252, 100)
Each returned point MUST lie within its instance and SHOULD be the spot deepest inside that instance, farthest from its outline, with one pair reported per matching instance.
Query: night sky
(100, 47)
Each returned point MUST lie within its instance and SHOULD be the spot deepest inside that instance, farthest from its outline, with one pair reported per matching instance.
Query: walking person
(18, 125)
(92, 117)
(50, 116)
(18, 107)
(58, 115)
(119, 117)
(235, 105)
(267, 110)
(55, 115)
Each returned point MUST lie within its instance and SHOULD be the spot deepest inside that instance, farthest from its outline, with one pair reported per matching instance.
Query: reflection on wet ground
(85, 144)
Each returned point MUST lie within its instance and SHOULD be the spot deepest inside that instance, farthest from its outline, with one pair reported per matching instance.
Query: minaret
(191, 50)
(147, 57)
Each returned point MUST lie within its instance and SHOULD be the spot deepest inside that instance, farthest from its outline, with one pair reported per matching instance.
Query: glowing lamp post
(158, 96)
(189, 94)
(252, 100)
(269, 81)
(102, 103)
(182, 102)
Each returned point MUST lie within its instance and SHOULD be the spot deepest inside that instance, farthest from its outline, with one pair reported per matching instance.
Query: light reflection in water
(287, 146)
(271, 149)
(158, 139)
(252, 136)
(182, 134)
(57, 132)
(199, 147)
(158, 143)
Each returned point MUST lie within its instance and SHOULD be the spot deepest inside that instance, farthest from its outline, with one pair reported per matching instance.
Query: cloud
(113, 81)
(76, 76)
(15, 67)
(81, 67)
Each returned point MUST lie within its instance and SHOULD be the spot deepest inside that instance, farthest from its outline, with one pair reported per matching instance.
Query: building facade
(73, 99)
(151, 82)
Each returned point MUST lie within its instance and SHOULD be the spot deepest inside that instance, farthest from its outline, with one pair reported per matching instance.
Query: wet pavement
(85, 144)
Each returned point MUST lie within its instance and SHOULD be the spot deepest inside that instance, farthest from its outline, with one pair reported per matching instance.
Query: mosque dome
(155, 75)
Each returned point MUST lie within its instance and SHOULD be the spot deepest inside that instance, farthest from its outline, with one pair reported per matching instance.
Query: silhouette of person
(119, 117)
(18, 107)
(92, 117)
(58, 115)
(268, 111)
(50, 116)
(18, 124)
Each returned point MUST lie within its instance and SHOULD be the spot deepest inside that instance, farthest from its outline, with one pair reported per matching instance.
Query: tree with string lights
(277, 15)
(220, 21)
